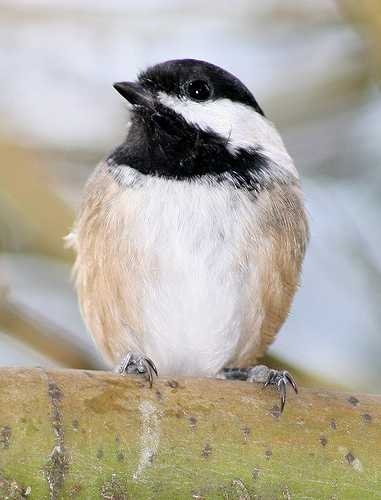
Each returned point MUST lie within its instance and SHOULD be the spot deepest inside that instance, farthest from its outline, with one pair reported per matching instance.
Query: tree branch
(80, 434)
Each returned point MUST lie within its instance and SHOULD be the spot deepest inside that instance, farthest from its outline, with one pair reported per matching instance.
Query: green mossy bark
(95, 435)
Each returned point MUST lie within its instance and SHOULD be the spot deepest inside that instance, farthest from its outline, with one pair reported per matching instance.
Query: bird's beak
(135, 94)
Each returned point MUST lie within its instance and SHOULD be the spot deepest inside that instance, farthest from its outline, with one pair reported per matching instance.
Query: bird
(192, 232)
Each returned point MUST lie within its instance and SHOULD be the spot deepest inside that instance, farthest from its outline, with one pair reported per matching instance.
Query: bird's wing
(274, 248)
(106, 262)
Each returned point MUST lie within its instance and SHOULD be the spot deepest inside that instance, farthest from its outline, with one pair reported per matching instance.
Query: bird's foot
(137, 364)
(263, 375)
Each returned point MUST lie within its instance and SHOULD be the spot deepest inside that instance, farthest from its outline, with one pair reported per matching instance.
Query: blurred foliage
(31, 212)
(366, 15)
(36, 218)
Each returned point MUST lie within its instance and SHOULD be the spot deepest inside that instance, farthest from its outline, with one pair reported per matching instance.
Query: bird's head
(192, 118)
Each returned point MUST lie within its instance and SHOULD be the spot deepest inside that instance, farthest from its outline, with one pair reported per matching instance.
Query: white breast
(193, 285)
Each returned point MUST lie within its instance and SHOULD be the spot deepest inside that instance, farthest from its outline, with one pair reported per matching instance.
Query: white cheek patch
(240, 125)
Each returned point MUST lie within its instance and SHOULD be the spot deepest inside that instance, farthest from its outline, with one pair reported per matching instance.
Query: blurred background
(315, 68)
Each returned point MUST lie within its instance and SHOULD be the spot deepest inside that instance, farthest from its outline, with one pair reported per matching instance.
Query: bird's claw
(261, 374)
(280, 379)
(138, 364)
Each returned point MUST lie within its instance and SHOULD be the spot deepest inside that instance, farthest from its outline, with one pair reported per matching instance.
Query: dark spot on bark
(75, 424)
(120, 456)
(206, 451)
(246, 432)
(349, 458)
(275, 411)
(268, 454)
(159, 395)
(333, 424)
(114, 489)
(255, 473)
(55, 392)
(99, 453)
(353, 401)
(323, 440)
(173, 383)
(5, 436)
(367, 418)
(58, 464)
(13, 490)
(193, 422)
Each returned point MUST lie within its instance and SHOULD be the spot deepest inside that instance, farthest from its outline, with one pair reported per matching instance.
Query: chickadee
(192, 232)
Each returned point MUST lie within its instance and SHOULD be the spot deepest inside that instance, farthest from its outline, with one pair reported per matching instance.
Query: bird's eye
(198, 90)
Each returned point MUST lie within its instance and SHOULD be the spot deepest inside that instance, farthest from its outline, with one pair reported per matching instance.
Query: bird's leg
(263, 375)
(137, 364)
